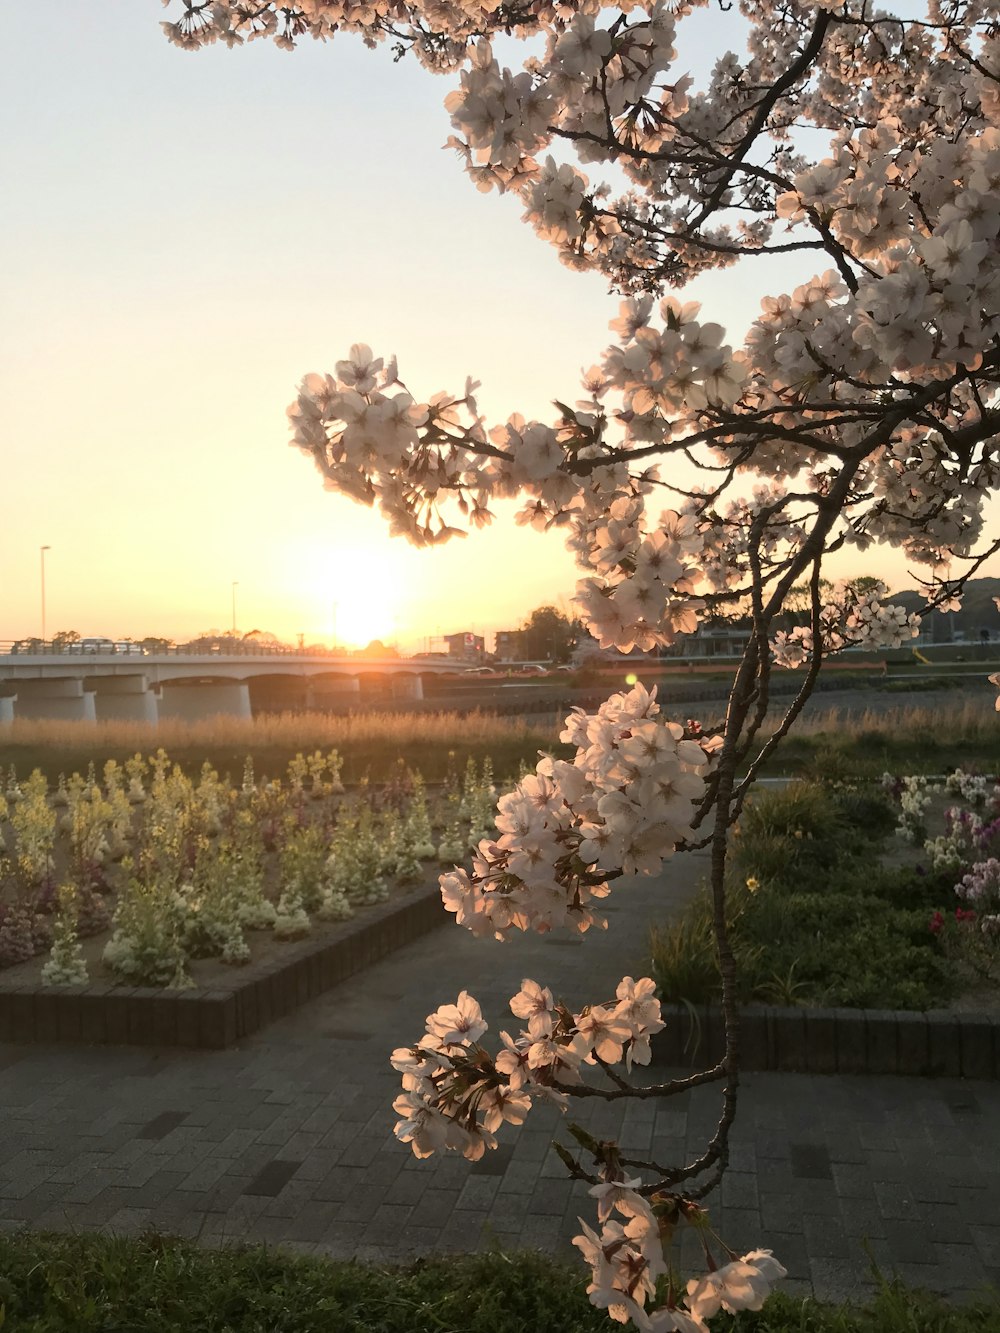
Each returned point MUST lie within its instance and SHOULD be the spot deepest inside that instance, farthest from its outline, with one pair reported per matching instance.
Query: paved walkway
(289, 1137)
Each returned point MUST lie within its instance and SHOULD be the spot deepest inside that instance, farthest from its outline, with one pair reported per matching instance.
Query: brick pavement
(288, 1139)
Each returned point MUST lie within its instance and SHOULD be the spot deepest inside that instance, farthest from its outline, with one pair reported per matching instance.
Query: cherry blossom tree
(861, 408)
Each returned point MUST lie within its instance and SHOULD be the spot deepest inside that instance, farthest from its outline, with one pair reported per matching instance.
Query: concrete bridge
(145, 687)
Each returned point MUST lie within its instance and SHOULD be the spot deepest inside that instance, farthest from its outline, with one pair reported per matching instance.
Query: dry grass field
(370, 743)
(860, 736)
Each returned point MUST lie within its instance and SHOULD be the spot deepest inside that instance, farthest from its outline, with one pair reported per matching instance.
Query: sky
(188, 235)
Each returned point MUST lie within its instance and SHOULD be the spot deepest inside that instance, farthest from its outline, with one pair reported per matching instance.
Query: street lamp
(41, 551)
(235, 586)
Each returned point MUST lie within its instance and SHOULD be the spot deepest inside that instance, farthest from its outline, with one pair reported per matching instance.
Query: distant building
(708, 641)
(714, 641)
(510, 645)
(466, 647)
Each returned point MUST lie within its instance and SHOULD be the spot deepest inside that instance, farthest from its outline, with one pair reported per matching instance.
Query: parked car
(129, 648)
(93, 646)
(532, 669)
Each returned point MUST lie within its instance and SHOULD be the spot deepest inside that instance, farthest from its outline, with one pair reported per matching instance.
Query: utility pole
(42, 551)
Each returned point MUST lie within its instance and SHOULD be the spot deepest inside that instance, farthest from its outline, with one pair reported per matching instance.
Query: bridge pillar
(406, 686)
(6, 709)
(190, 703)
(64, 700)
(331, 691)
(124, 699)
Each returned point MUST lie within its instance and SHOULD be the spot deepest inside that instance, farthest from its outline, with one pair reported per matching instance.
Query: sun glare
(358, 618)
(361, 595)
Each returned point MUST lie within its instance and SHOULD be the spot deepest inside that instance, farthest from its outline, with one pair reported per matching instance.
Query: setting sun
(361, 593)
(357, 620)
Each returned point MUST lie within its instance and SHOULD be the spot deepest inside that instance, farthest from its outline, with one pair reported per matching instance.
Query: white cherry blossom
(860, 410)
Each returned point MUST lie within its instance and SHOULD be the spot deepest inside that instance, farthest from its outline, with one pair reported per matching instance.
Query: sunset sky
(187, 235)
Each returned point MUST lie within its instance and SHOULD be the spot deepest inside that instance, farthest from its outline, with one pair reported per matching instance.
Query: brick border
(837, 1041)
(817, 1041)
(106, 1013)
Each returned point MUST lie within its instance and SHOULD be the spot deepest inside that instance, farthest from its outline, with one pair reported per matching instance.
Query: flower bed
(840, 968)
(225, 1004)
(964, 854)
(832, 907)
(147, 879)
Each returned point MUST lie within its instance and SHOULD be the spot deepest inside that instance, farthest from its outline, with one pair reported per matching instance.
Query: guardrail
(86, 648)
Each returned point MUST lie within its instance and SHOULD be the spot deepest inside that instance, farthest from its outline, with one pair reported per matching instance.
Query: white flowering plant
(967, 851)
(695, 475)
(183, 868)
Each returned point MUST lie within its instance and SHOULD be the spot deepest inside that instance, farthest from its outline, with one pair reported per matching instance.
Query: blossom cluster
(981, 886)
(628, 1258)
(914, 795)
(849, 619)
(625, 803)
(456, 1095)
(968, 848)
(973, 788)
(372, 440)
(956, 847)
(873, 381)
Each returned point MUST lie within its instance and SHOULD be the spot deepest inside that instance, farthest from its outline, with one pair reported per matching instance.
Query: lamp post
(41, 552)
(235, 586)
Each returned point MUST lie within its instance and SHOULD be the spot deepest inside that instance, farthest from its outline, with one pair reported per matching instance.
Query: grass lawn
(102, 1284)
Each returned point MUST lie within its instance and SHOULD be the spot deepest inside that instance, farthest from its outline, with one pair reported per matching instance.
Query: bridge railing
(83, 648)
(236, 648)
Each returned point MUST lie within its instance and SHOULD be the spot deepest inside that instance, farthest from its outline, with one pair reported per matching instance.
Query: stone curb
(112, 1014)
(816, 1041)
(837, 1041)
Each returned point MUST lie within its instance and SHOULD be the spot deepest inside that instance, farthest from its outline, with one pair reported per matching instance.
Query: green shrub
(846, 949)
(811, 919)
(909, 887)
(811, 833)
(806, 835)
(866, 814)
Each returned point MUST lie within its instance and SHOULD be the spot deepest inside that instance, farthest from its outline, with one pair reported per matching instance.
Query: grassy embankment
(925, 739)
(105, 1284)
